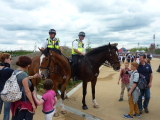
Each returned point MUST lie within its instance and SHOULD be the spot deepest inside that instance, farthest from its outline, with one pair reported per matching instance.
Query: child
(133, 92)
(48, 100)
(124, 80)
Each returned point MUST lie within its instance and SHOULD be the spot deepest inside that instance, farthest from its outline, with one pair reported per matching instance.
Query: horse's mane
(100, 49)
(46, 51)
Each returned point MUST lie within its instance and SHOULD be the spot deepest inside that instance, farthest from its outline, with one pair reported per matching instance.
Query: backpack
(11, 91)
(142, 83)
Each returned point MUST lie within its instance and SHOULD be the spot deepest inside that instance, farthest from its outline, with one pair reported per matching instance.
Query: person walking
(5, 74)
(145, 70)
(124, 80)
(52, 41)
(25, 107)
(77, 51)
(48, 100)
(128, 58)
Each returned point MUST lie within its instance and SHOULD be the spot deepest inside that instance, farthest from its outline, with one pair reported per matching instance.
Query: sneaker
(146, 110)
(140, 111)
(121, 99)
(135, 115)
(127, 116)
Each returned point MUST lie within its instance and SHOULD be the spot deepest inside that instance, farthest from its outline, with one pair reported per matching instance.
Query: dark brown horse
(90, 64)
(58, 68)
(88, 69)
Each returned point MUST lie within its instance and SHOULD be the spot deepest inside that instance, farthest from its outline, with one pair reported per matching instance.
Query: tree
(88, 48)
(140, 49)
(67, 51)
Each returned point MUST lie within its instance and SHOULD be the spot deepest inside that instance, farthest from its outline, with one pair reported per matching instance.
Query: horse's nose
(43, 76)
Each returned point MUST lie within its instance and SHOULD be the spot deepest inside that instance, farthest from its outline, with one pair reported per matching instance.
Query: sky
(24, 24)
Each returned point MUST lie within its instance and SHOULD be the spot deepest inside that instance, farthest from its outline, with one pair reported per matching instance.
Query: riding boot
(75, 67)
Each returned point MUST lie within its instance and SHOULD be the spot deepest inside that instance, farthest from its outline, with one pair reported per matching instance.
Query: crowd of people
(132, 57)
(130, 79)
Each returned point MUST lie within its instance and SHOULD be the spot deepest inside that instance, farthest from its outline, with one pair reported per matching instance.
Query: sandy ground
(108, 93)
(107, 96)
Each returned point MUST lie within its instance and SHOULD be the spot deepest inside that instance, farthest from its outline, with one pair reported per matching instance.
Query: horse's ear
(114, 44)
(109, 44)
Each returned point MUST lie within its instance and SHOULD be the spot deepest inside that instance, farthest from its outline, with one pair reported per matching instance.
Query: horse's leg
(84, 107)
(93, 84)
(63, 88)
(56, 114)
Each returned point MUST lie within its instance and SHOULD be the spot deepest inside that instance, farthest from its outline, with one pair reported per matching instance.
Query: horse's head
(113, 56)
(46, 62)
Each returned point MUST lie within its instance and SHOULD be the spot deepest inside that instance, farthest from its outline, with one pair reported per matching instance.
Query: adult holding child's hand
(25, 107)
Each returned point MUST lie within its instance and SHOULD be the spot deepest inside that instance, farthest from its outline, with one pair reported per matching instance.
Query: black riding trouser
(75, 59)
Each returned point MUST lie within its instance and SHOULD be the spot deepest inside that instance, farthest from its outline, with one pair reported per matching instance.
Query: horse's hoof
(96, 106)
(64, 112)
(56, 114)
(84, 107)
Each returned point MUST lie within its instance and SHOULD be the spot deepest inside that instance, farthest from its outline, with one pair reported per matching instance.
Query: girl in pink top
(48, 100)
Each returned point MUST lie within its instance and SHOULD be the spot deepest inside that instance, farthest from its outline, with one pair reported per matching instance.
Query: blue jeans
(146, 94)
(6, 109)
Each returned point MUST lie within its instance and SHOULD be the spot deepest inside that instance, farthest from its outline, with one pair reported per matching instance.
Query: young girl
(48, 100)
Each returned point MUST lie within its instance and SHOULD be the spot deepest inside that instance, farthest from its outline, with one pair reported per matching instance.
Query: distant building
(122, 50)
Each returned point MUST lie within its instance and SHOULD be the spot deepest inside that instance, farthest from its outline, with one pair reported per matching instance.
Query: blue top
(5, 75)
(145, 70)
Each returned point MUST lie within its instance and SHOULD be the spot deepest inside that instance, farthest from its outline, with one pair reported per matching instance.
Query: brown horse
(58, 68)
(33, 69)
(88, 69)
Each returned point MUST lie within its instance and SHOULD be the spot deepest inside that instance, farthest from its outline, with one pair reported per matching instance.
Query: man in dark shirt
(145, 69)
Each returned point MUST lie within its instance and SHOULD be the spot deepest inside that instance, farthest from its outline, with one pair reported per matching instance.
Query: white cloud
(126, 22)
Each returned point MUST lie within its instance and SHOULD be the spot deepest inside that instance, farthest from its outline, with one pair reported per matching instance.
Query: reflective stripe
(80, 47)
(52, 43)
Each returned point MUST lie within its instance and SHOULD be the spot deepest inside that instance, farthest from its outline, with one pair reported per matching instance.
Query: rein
(52, 71)
(112, 63)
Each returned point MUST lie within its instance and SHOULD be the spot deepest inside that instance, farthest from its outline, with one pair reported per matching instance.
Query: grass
(71, 85)
(17, 53)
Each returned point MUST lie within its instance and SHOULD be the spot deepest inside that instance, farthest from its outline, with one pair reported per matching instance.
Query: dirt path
(107, 95)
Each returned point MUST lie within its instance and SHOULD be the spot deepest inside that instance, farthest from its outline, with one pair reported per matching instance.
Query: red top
(125, 77)
(23, 105)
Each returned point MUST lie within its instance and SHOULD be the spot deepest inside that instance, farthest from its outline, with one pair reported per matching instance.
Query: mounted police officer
(52, 41)
(77, 51)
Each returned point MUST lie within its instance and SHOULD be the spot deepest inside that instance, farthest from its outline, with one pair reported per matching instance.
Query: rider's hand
(83, 54)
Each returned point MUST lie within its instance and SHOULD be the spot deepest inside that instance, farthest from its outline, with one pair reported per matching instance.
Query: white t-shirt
(44, 45)
(75, 45)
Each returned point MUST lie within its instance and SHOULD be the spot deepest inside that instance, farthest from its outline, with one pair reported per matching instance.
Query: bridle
(50, 71)
(48, 66)
(111, 60)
